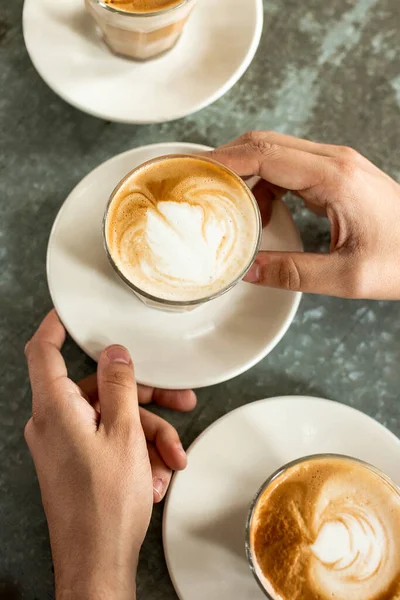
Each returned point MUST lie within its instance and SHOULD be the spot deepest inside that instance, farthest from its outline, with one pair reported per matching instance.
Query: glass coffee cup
(326, 526)
(139, 35)
(190, 216)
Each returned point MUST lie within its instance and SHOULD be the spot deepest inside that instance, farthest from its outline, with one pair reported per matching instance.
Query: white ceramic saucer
(207, 505)
(215, 50)
(213, 343)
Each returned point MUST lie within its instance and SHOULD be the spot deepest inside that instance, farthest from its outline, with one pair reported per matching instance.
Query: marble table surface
(325, 70)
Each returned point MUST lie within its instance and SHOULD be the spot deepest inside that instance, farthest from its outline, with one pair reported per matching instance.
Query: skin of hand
(361, 202)
(96, 470)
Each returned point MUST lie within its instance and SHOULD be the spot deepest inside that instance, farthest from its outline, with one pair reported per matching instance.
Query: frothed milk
(328, 528)
(182, 228)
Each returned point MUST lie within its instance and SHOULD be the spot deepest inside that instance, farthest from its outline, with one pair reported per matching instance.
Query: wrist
(96, 587)
(95, 579)
(94, 592)
(94, 565)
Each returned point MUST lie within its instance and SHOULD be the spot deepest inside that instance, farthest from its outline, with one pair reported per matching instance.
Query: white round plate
(207, 505)
(213, 343)
(216, 48)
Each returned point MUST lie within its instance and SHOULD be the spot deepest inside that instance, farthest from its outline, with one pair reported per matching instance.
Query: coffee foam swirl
(329, 529)
(354, 542)
(182, 229)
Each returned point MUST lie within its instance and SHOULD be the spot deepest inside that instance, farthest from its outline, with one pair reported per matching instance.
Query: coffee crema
(328, 528)
(182, 228)
(143, 6)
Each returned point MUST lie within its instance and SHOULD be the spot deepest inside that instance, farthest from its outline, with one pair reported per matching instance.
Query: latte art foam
(182, 228)
(328, 529)
(353, 543)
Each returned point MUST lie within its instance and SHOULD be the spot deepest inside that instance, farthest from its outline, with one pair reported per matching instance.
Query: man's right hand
(361, 202)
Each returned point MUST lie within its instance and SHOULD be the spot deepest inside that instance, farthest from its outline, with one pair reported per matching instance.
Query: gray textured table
(325, 70)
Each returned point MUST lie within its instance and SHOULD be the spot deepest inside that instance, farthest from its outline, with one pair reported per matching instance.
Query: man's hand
(163, 444)
(361, 202)
(93, 465)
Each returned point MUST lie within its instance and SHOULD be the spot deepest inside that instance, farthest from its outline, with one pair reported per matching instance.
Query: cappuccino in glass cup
(140, 29)
(326, 527)
(181, 230)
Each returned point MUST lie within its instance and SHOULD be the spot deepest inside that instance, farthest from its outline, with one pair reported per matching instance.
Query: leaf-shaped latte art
(354, 544)
(330, 529)
(182, 235)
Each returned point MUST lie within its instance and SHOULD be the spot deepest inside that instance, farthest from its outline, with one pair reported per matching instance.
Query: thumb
(117, 388)
(298, 272)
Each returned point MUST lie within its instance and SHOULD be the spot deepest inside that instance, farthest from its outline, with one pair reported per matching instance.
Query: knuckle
(120, 377)
(45, 413)
(253, 136)
(41, 417)
(28, 431)
(27, 348)
(346, 168)
(36, 346)
(288, 275)
(264, 147)
(350, 155)
(164, 430)
(168, 431)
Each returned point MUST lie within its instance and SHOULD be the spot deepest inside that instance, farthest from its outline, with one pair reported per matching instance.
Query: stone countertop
(325, 70)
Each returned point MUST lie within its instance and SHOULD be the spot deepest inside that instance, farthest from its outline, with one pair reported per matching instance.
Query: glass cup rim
(280, 471)
(204, 299)
(126, 13)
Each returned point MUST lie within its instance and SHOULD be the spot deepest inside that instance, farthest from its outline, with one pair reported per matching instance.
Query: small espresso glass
(184, 305)
(139, 36)
(270, 593)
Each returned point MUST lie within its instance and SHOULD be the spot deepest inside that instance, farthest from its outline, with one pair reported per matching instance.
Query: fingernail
(180, 450)
(253, 276)
(158, 487)
(118, 354)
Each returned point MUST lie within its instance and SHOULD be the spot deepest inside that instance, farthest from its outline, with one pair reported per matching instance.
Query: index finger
(45, 362)
(288, 168)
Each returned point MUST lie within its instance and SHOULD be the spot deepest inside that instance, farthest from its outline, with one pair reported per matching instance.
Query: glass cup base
(184, 308)
(139, 37)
